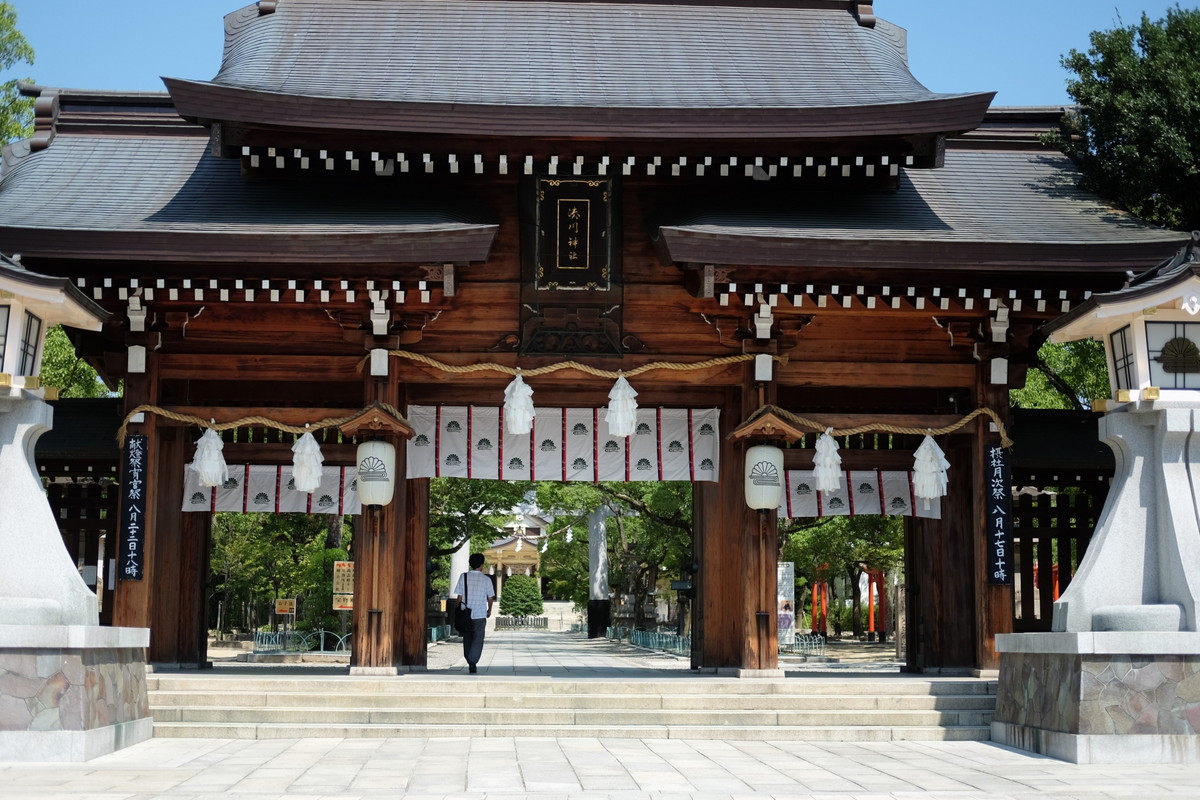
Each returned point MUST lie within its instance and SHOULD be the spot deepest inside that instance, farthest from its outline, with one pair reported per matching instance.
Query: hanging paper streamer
(622, 409)
(518, 407)
(520, 545)
(208, 463)
(544, 544)
(306, 463)
(929, 471)
(827, 464)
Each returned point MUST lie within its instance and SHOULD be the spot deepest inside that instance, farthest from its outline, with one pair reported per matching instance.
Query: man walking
(472, 589)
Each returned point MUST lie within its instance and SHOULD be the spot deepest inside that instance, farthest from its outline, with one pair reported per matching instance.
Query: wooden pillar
(389, 567)
(132, 599)
(174, 572)
(737, 551)
(414, 579)
(995, 604)
(941, 572)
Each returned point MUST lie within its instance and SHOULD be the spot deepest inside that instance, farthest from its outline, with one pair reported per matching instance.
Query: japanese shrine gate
(310, 234)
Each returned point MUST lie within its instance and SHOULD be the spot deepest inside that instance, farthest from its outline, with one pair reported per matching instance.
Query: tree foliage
(1136, 133)
(846, 546)
(257, 558)
(520, 596)
(16, 112)
(649, 537)
(463, 510)
(70, 374)
(1068, 376)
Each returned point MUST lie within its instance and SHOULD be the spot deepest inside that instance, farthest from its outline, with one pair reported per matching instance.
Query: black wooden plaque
(133, 509)
(574, 234)
(999, 516)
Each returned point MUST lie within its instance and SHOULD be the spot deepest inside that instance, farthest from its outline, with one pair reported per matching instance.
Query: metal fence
(804, 644)
(522, 623)
(319, 641)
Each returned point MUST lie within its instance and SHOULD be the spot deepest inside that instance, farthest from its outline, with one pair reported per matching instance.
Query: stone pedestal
(1100, 697)
(71, 692)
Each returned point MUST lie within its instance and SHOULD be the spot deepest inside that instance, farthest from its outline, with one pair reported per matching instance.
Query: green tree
(847, 546)
(650, 536)
(521, 597)
(1068, 375)
(16, 112)
(63, 369)
(466, 510)
(1136, 132)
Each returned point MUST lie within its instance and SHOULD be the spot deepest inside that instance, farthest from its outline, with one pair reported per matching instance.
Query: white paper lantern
(376, 472)
(764, 477)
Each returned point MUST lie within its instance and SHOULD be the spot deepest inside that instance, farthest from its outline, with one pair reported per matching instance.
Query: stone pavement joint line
(577, 768)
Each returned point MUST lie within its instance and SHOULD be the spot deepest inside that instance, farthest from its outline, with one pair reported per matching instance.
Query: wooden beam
(876, 375)
(183, 366)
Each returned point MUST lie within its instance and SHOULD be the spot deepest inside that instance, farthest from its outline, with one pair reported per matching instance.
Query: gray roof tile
(171, 186)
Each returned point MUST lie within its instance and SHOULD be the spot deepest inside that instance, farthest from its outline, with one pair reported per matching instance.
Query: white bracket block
(379, 363)
(137, 358)
(763, 367)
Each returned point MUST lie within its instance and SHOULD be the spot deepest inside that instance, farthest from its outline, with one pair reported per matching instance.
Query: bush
(521, 597)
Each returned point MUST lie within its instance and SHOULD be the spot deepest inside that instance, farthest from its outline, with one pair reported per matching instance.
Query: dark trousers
(473, 641)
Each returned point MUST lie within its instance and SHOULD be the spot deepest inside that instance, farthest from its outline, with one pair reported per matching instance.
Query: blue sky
(1009, 46)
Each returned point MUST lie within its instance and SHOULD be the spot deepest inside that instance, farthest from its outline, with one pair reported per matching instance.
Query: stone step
(812, 733)
(566, 717)
(415, 684)
(825, 709)
(474, 700)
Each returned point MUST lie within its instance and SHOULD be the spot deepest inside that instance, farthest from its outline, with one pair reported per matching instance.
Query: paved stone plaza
(582, 768)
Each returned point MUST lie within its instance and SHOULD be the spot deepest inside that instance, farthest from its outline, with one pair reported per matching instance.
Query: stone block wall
(71, 690)
(1099, 694)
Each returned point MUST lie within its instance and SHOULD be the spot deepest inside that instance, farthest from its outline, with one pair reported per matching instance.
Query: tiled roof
(461, 62)
(995, 198)
(103, 196)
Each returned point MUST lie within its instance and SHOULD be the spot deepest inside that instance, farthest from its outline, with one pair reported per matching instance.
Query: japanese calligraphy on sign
(133, 510)
(998, 497)
(343, 586)
(574, 233)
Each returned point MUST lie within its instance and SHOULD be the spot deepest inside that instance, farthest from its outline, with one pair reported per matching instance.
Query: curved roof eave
(207, 102)
(469, 244)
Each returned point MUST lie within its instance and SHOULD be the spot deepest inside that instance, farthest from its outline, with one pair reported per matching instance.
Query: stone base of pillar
(599, 618)
(1101, 697)
(741, 672)
(72, 692)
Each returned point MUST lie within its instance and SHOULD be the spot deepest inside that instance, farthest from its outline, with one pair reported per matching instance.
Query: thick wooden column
(389, 567)
(133, 599)
(994, 605)
(414, 578)
(941, 573)
(737, 552)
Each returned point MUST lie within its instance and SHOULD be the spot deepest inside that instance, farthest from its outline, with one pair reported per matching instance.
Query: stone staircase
(822, 708)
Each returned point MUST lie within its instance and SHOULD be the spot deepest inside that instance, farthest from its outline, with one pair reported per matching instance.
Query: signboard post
(343, 586)
(999, 516)
(133, 509)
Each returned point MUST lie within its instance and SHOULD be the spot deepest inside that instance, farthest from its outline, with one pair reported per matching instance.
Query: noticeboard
(285, 605)
(343, 586)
